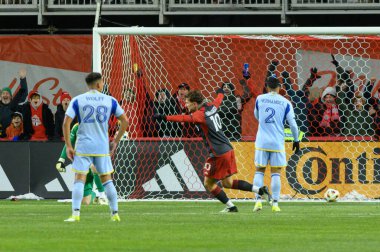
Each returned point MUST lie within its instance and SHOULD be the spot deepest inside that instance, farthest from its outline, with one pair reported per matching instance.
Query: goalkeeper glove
(60, 165)
(296, 147)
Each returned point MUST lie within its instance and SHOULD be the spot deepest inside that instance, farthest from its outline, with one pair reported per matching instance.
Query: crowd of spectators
(342, 109)
(26, 117)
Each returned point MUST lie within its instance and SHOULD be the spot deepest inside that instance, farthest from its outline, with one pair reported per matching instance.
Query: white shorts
(274, 159)
(103, 164)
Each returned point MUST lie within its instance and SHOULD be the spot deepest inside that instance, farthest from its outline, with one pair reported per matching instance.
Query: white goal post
(340, 147)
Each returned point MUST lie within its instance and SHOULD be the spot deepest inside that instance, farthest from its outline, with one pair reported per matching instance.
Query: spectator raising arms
(358, 121)
(10, 104)
(38, 119)
(138, 107)
(300, 98)
(344, 76)
(231, 109)
(373, 106)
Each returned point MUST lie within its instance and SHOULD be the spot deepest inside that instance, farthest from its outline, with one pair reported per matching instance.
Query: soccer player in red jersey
(221, 164)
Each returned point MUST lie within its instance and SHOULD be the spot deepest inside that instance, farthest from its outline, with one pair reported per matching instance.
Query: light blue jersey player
(271, 110)
(93, 111)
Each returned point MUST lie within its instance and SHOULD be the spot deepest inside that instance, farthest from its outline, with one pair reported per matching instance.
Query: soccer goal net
(331, 79)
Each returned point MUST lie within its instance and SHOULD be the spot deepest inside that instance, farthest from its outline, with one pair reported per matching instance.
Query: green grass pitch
(190, 226)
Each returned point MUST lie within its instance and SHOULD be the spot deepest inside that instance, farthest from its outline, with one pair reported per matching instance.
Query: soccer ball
(331, 195)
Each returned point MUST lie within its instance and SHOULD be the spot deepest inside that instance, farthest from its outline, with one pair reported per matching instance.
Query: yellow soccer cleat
(73, 218)
(115, 218)
(276, 209)
(258, 206)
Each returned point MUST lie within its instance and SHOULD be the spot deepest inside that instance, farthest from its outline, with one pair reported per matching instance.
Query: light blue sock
(77, 194)
(258, 181)
(111, 193)
(276, 186)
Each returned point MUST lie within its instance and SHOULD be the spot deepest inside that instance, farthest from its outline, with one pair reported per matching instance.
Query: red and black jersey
(209, 121)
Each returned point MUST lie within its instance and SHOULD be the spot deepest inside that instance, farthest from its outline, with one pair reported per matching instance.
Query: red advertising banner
(53, 64)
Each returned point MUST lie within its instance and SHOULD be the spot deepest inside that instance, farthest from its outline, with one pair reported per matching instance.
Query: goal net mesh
(332, 82)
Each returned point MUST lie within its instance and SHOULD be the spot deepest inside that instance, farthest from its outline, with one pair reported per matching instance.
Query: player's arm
(66, 135)
(256, 111)
(123, 127)
(219, 98)
(196, 117)
(71, 113)
(60, 165)
(290, 118)
(119, 113)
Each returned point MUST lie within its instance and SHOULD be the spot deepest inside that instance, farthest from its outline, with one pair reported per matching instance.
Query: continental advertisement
(353, 168)
(173, 170)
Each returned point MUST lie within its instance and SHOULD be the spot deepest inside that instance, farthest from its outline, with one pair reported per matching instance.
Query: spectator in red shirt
(38, 119)
(16, 128)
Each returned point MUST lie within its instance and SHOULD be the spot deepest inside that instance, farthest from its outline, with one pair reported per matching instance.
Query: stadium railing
(336, 6)
(283, 8)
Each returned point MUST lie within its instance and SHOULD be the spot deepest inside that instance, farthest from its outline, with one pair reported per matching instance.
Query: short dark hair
(91, 78)
(184, 85)
(272, 82)
(195, 96)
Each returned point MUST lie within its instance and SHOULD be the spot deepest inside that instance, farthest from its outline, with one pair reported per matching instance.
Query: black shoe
(264, 193)
(230, 210)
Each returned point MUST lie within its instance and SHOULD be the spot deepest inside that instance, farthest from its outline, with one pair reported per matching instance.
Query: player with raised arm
(271, 110)
(89, 195)
(221, 164)
(93, 110)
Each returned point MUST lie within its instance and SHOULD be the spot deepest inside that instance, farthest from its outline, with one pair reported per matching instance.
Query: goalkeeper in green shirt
(89, 195)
